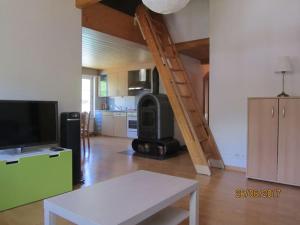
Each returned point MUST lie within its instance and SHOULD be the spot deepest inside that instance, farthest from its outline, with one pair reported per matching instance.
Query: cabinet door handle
(283, 112)
(272, 111)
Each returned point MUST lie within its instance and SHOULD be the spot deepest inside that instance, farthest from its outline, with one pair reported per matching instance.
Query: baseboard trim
(235, 168)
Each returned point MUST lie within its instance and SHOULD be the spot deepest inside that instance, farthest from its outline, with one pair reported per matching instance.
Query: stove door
(147, 127)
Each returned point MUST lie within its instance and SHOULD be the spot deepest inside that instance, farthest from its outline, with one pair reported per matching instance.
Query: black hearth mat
(131, 152)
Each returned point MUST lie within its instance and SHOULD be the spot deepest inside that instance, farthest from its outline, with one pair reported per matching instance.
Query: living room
(253, 51)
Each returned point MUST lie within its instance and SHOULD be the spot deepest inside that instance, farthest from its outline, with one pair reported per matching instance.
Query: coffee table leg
(194, 208)
(49, 217)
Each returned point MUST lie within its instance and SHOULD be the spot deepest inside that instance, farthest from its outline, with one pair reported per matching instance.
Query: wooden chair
(84, 128)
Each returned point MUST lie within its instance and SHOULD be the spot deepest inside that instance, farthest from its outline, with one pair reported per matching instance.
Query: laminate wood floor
(218, 203)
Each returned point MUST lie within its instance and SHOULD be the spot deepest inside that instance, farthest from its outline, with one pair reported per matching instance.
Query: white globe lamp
(165, 6)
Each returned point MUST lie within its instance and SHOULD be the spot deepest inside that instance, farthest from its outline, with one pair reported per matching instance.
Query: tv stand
(28, 176)
(23, 149)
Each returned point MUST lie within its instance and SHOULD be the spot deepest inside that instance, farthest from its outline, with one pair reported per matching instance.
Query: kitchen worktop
(125, 111)
(118, 113)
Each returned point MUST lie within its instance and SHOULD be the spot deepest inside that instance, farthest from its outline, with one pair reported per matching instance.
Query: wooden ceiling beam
(85, 3)
(192, 44)
(107, 20)
(198, 49)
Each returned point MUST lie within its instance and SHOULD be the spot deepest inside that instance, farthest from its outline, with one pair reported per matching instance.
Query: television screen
(27, 123)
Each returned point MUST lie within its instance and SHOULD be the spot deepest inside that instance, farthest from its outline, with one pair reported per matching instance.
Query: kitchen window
(102, 86)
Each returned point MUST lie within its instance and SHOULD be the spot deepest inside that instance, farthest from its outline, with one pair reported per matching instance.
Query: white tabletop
(125, 200)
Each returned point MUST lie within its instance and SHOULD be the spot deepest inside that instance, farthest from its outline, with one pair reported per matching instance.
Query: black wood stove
(155, 124)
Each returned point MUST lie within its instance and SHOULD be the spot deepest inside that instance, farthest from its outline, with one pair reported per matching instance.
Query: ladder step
(169, 56)
(157, 22)
(159, 32)
(176, 70)
(167, 45)
(207, 154)
(180, 83)
(203, 139)
(202, 136)
(185, 96)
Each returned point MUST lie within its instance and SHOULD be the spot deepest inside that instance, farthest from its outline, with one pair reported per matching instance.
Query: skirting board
(205, 170)
(235, 168)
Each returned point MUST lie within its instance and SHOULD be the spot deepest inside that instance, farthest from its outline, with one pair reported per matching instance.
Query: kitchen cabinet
(117, 84)
(274, 139)
(139, 81)
(114, 124)
(120, 125)
(107, 124)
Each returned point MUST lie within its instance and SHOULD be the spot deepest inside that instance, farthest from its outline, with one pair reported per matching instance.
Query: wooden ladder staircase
(188, 113)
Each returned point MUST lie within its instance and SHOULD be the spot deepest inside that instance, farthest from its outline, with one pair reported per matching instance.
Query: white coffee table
(141, 197)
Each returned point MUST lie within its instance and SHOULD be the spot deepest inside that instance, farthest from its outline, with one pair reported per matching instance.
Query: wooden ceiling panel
(113, 22)
(103, 51)
(115, 27)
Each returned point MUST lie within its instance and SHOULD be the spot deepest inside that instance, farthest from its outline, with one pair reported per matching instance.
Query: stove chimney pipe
(155, 81)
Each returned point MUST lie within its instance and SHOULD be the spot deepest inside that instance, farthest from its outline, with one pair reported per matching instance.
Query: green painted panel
(34, 178)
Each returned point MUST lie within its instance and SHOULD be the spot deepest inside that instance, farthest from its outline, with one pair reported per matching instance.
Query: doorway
(88, 94)
(206, 96)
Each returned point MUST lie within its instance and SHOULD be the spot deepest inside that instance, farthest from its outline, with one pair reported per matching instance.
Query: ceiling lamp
(165, 6)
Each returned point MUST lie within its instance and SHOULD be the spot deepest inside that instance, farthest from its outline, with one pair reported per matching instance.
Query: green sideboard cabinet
(34, 177)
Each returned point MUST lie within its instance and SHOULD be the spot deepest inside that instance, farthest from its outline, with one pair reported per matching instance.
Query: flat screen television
(27, 123)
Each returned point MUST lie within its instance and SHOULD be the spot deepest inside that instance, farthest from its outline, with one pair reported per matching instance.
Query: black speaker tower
(70, 138)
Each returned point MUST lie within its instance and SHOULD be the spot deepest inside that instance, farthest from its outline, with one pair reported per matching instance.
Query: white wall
(190, 23)
(40, 51)
(246, 37)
